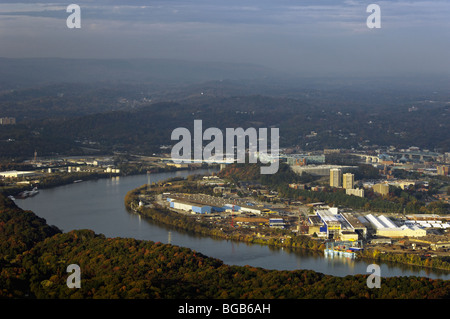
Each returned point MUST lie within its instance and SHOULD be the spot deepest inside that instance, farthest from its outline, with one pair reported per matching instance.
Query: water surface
(99, 205)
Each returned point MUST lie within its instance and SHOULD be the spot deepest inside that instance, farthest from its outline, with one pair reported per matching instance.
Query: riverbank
(181, 222)
(266, 236)
(270, 237)
(34, 267)
(99, 205)
(52, 180)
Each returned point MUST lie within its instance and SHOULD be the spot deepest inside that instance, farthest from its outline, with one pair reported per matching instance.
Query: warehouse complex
(198, 208)
(346, 226)
(338, 225)
(386, 228)
(326, 222)
(205, 204)
(16, 174)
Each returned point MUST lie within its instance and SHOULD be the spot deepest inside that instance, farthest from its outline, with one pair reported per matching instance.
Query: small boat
(334, 252)
(31, 193)
(78, 181)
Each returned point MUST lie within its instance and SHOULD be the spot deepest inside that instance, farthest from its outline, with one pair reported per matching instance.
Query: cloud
(321, 35)
(223, 12)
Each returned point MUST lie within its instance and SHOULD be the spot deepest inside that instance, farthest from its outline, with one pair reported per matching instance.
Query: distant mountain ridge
(17, 73)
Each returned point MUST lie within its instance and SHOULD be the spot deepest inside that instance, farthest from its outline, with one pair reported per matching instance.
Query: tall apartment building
(381, 188)
(348, 180)
(335, 177)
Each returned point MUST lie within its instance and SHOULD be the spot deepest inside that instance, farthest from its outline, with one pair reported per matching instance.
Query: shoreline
(311, 244)
(56, 179)
(173, 219)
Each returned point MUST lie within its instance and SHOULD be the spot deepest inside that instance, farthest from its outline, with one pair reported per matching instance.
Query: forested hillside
(20, 230)
(130, 269)
(140, 118)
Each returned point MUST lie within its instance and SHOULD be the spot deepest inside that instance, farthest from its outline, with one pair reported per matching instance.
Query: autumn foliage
(135, 269)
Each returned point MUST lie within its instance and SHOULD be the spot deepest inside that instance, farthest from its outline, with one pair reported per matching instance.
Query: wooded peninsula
(34, 257)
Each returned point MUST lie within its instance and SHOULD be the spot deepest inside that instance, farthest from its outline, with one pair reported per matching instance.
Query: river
(99, 205)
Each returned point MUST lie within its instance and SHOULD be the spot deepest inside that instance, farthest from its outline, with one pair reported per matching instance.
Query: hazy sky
(327, 37)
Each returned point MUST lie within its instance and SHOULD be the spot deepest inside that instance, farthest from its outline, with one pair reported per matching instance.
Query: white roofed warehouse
(387, 228)
(16, 174)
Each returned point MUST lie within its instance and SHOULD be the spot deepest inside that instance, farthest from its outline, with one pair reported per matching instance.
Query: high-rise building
(381, 188)
(348, 180)
(335, 177)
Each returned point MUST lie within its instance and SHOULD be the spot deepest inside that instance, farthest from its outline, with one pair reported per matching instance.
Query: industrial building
(315, 224)
(276, 222)
(429, 223)
(197, 208)
(386, 228)
(250, 209)
(201, 204)
(379, 222)
(355, 224)
(402, 231)
(16, 174)
(332, 224)
(430, 217)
